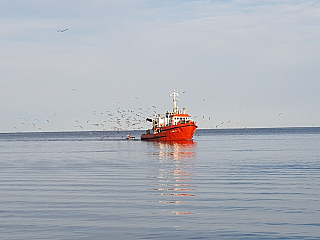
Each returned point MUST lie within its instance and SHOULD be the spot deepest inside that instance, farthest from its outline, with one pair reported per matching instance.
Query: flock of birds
(117, 120)
(112, 120)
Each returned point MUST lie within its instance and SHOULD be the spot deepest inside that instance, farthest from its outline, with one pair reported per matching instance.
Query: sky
(235, 64)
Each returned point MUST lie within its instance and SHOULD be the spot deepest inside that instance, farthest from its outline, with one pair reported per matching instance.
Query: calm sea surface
(226, 184)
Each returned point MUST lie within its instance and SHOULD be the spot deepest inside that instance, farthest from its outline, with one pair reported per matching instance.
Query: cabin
(171, 118)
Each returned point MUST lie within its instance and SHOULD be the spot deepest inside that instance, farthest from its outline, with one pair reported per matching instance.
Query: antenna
(175, 100)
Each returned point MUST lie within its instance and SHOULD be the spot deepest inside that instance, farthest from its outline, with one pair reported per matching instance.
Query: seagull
(62, 30)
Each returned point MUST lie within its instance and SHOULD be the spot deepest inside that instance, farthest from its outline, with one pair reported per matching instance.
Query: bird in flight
(62, 30)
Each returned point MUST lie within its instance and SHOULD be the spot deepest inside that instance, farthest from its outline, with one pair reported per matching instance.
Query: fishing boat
(175, 125)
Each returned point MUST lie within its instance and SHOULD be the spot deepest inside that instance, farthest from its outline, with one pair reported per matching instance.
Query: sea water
(225, 184)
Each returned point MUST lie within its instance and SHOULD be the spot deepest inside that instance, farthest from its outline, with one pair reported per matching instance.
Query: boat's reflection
(175, 149)
(174, 175)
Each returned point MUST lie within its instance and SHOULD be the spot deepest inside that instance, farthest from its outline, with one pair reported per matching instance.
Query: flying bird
(62, 30)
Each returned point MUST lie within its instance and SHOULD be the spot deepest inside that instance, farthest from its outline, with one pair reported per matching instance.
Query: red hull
(172, 133)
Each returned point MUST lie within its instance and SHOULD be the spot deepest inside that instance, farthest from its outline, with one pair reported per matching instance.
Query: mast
(175, 100)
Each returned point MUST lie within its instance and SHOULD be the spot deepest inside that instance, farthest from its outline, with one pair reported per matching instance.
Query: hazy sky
(241, 63)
